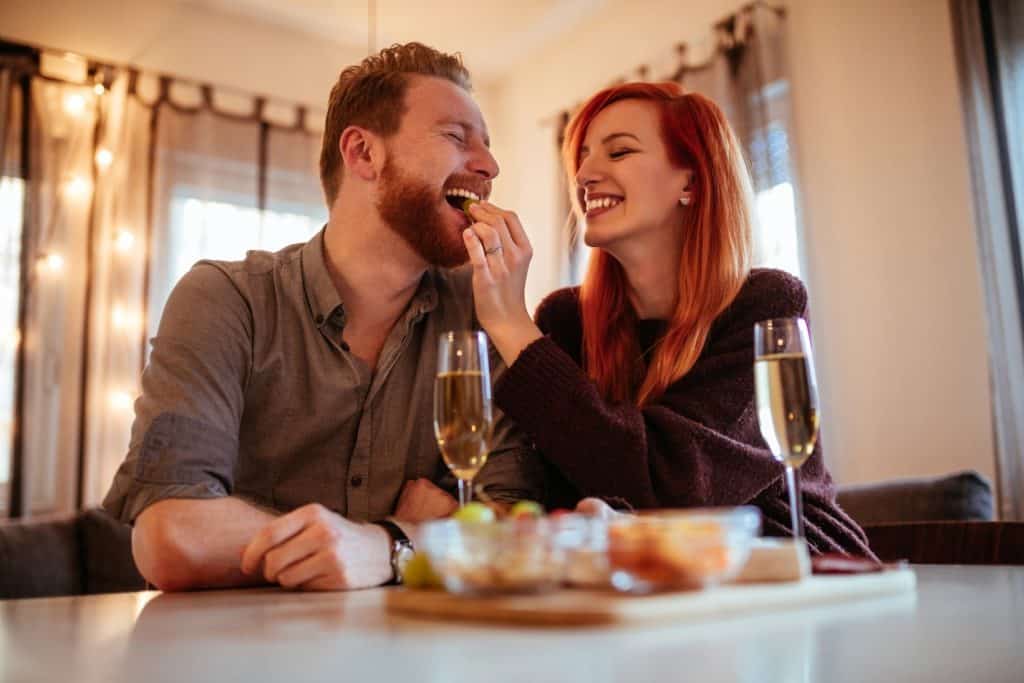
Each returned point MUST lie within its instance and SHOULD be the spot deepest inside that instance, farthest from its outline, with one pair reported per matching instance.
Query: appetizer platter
(570, 569)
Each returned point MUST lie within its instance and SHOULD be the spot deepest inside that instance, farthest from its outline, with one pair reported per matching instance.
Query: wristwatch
(401, 549)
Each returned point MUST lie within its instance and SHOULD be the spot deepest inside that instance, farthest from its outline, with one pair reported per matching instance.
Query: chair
(89, 552)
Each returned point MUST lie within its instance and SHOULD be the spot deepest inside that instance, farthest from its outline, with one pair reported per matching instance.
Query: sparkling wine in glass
(462, 405)
(787, 400)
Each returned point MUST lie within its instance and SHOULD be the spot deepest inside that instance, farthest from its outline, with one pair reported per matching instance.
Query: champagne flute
(787, 400)
(462, 405)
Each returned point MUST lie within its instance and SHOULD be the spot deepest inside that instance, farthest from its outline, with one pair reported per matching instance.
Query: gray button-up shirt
(250, 391)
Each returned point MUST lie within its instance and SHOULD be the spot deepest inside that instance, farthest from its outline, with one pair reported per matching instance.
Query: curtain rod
(95, 64)
(643, 71)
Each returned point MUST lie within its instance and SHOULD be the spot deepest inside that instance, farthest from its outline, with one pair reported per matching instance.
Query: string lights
(78, 187)
(124, 240)
(124, 319)
(104, 158)
(74, 104)
(120, 400)
(52, 263)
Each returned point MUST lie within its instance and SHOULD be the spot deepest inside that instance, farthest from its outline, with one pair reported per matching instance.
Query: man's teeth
(602, 203)
(458, 192)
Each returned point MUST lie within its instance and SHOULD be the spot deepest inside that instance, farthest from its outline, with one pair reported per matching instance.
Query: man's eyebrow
(608, 138)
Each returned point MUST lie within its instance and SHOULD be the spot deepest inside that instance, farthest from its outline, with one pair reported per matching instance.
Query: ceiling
(493, 36)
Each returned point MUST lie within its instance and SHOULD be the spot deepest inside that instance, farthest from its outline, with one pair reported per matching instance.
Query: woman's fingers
(493, 217)
(509, 221)
(476, 252)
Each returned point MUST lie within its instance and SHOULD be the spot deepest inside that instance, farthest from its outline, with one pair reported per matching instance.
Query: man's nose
(483, 163)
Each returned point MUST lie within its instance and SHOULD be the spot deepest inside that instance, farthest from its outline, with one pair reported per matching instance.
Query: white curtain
(990, 54)
(11, 200)
(128, 184)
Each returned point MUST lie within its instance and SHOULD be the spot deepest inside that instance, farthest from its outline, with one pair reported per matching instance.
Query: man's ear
(361, 152)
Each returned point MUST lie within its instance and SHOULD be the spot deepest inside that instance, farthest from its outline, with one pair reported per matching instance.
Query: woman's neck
(652, 273)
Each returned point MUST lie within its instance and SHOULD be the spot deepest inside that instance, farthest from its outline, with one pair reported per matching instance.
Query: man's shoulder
(257, 263)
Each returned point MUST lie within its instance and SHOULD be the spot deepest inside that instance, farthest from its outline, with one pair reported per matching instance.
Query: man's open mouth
(457, 196)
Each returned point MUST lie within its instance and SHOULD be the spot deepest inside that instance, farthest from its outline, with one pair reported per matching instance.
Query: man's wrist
(399, 548)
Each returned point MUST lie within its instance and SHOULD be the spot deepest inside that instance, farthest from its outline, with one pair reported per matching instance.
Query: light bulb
(54, 263)
(74, 104)
(99, 89)
(104, 157)
(120, 400)
(124, 241)
(78, 187)
(123, 319)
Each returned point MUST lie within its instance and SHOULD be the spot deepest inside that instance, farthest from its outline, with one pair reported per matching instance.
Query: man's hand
(421, 500)
(312, 548)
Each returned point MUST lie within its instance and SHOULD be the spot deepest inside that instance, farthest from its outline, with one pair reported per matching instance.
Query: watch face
(403, 553)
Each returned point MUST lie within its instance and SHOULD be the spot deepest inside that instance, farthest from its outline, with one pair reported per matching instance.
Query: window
(776, 238)
(203, 229)
(11, 193)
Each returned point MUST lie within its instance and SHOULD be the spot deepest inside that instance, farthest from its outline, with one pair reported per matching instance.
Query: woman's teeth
(602, 203)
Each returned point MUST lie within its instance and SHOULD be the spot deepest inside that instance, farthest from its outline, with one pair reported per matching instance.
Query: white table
(965, 624)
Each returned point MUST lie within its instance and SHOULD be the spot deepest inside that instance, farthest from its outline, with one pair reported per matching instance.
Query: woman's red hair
(715, 257)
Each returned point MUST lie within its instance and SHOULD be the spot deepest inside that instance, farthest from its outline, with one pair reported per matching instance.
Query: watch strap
(398, 540)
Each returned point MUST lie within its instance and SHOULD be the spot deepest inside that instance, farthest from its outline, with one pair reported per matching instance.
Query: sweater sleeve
(698, 445)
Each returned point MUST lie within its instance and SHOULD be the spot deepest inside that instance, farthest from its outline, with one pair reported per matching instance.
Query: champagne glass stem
(796, 510)
(465, 492)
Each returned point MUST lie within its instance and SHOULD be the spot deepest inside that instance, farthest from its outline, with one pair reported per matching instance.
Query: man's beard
(411, 209)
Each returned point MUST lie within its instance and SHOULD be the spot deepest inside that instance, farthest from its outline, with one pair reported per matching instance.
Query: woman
(638, 387)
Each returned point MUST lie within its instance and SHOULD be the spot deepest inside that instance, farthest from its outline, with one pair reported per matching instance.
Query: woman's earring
(684, 201)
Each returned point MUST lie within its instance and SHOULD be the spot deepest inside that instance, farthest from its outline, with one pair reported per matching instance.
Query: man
(301, 382)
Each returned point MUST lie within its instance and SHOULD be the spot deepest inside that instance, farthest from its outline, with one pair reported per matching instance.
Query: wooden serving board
(574, 607)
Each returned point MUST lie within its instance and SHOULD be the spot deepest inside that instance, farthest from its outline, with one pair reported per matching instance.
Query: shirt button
(356, 481)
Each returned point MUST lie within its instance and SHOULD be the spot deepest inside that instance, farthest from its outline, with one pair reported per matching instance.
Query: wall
(889, 235)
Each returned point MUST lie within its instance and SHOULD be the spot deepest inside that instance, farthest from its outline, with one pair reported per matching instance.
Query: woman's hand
(595, 507)
(500, 253)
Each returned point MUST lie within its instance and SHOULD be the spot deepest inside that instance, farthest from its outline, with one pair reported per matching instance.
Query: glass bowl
(518, 555)
(680, 549)
(583, 541)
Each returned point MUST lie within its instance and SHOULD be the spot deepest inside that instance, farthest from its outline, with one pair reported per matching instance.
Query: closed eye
(457, 137)
(619, 153)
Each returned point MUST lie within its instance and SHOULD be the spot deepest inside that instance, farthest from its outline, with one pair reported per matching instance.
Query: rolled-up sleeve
(184, 440)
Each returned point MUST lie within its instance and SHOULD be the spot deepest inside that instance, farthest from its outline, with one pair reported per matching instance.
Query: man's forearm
(182, 544)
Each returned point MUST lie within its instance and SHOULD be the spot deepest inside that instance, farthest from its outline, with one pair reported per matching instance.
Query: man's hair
(371, 94)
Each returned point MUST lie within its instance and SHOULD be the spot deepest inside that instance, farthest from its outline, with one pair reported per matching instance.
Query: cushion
(107, 554)
(39, 558)
(959, 497)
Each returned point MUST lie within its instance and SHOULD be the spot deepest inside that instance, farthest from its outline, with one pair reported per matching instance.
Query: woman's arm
(697, 445)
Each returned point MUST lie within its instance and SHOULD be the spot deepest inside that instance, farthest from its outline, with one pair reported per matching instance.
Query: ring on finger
(493, 250)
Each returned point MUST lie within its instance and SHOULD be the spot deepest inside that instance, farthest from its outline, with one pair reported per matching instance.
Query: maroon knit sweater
(697, 445)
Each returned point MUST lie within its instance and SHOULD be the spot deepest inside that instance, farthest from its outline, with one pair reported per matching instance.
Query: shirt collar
(322, 296)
